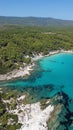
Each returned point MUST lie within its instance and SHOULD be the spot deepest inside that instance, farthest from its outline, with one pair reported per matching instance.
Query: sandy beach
(21, 72)
(31, 116)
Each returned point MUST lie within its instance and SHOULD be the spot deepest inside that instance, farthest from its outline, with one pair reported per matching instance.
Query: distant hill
(34, 21)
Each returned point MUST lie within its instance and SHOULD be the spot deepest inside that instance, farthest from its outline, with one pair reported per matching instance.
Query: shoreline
(32, 118)
(22, 72)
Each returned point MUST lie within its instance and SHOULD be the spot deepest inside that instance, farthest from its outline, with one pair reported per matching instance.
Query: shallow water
(51, 75)
(56, 70)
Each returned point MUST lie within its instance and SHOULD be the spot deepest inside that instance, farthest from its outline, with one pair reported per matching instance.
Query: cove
(51, 75)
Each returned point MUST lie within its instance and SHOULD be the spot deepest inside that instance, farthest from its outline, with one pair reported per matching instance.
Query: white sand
(26, 70)
(32, 117)
(17, 73)
(53, 52)
(69, 51)
(37, 57)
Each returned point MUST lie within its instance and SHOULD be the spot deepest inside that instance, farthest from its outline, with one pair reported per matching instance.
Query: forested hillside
(34, 21)
(18, 42)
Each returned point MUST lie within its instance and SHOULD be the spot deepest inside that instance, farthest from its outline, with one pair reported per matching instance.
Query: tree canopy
(16, 42)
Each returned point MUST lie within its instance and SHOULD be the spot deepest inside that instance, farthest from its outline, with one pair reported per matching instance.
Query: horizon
(50, 9)
(36, 17)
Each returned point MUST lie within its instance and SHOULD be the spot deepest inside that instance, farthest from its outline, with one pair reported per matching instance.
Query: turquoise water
(56, 70)
(51, 75)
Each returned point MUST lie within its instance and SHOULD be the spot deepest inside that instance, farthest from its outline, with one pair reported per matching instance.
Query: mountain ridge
(34, 21)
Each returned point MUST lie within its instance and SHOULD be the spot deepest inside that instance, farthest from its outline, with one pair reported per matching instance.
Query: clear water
(51, 75)
(56, 70)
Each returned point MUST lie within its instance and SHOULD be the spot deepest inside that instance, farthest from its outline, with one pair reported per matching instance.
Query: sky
(60, 9)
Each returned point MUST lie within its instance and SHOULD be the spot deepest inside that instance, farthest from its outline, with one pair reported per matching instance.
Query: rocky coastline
(17, 111)
(24, 71)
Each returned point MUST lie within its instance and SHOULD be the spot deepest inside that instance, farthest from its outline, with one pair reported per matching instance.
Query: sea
(51, 74)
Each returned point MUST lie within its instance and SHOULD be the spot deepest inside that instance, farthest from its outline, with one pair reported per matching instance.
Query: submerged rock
(61, 118)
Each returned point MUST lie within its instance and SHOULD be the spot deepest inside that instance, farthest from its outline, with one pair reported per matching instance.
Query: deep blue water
(51, 75)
